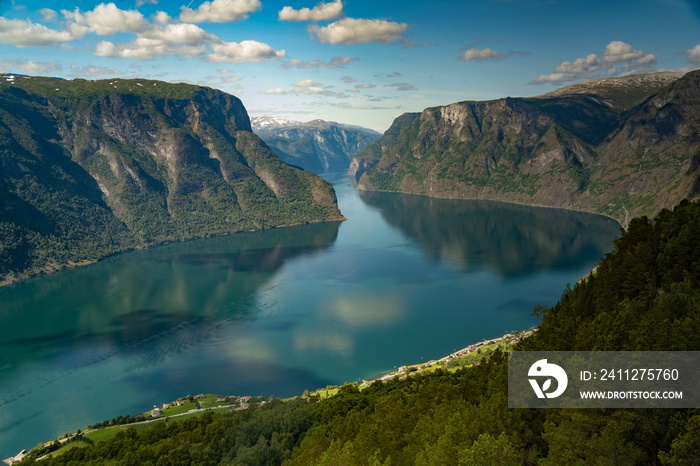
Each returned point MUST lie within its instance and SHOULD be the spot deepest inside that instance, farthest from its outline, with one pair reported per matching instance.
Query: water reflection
(135, 296)
(513, 240)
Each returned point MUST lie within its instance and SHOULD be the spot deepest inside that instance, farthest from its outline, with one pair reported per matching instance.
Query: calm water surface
(405, 279)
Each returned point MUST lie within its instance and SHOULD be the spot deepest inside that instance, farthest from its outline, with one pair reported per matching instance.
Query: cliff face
(317, 145)
(372, 153)
(92, 168)
(593, 148)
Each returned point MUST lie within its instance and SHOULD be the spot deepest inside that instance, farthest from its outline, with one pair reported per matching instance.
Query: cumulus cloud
(618, 58)
(144, 48)
(245, 51)
(163, 36)
(321, 12)
(481, 55)
(306, 83)
(162, 17)
(48, 14)
(365, 86)
(275, 91)
(220, 11)
(694, 55)
(488, 54)
(107, 19)
(316, 90)
(21, 33)
(335, 62)
(348, 79)
(358, 31)
(231, 79)
(8, 65)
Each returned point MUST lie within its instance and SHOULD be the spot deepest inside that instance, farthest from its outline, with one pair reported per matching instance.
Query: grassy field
(180, 409)
(106, 434)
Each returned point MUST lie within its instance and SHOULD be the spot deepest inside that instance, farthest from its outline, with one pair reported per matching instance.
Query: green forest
(644, 295)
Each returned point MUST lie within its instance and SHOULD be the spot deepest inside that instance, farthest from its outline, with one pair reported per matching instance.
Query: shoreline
(403, 371)
(67, 266)
(474, 348)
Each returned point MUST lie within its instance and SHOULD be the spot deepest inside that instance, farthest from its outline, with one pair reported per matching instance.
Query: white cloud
(220, 11)
(335, 62)
(48, 14)
(21, 33)
(357, 31)
(309, 90)
(181, 33)
(488, 54)
(618, 58)
(305, 83)
(276, 91)
(231, 79)
(107, 19)
(483, 54)
(620, 52)
(316, 90)
(144, 48)
(28, 66)
(365, 86)
(694, 55)
(245, 51)
(348, 79)
(321, 12)
(162, 17)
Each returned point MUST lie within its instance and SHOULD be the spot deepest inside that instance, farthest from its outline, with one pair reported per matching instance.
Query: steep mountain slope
(372, 153)
(316, 145)
(621, 147)
(92, 168)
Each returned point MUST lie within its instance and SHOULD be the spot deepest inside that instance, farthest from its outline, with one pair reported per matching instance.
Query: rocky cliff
(621, 147)
(317, 145)
(90, 168)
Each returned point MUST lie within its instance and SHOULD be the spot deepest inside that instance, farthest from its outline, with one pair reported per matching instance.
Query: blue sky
(353, 61)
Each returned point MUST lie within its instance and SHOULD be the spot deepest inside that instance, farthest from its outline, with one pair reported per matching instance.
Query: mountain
(621, 147)
(316, 145)
(91, 168)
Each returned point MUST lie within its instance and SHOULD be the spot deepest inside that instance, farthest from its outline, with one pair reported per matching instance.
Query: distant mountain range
(91, 168)
(317, 145)
(622, 147)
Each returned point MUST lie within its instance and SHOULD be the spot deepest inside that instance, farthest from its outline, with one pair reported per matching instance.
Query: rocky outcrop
(369, 157)
(92, 168)
(317, 145)
(593, 148)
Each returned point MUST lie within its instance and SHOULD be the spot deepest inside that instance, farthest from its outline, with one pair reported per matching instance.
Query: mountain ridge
(91, 168)
(571, 150)
(316, 145)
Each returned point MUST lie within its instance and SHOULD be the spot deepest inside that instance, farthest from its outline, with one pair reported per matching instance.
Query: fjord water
(405, 279)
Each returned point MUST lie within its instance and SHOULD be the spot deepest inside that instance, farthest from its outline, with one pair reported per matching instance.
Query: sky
(352, 61)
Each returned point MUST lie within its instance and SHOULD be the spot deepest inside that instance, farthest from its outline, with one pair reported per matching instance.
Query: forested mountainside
(316, 145)
(644, 295)
(622, 147)
(91, 168)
